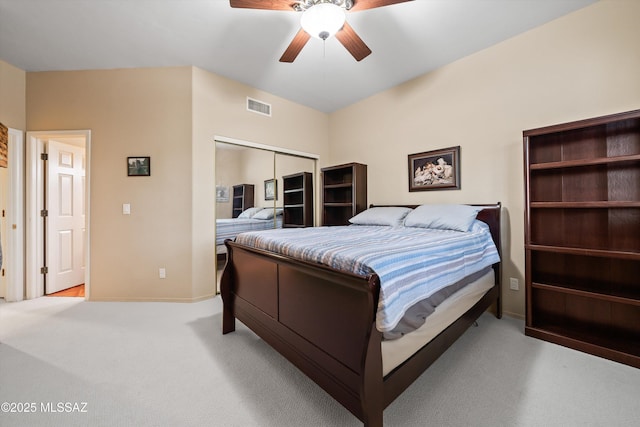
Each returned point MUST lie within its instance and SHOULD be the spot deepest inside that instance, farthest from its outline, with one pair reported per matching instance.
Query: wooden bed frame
(323, 321)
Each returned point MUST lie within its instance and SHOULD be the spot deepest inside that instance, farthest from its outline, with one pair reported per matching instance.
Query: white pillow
(387, 215)
(443, 217)
(249, 213)
(266, 213)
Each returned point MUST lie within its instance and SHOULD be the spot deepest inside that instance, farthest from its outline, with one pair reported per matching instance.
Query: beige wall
(136, 112)
(257, 166)
(12, 96)
(219, 109)
(172, 115)
(583, 65)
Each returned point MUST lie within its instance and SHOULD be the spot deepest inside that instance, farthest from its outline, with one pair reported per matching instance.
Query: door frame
(14, 252)
(35, 203)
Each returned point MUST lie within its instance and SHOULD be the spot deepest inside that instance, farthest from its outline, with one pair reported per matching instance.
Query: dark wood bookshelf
(582, 235)
(344, 192)
(298, 200)
(586, 162)
(243, 198)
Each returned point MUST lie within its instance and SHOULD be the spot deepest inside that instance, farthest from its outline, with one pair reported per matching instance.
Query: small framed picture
(138, 166)
(271, 189)
(222, 193)
(435, 170)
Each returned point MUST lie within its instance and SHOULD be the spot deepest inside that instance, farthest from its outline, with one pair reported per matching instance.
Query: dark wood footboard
(320, 319)
(323, 321)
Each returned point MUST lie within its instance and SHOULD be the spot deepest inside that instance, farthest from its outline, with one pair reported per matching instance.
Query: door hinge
(44, 212)
(44, 270)
(44, 156)
(3, 272)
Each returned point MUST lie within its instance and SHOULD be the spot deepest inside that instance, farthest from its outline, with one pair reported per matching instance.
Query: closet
(255, 175)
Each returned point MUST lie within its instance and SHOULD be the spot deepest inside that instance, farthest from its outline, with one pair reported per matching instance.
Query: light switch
(126, 209)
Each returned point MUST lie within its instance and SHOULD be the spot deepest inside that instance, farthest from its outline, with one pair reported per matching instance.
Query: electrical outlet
(163, 273)
(513, 284)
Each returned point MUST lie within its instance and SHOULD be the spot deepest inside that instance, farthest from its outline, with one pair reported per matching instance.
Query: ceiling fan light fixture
(323, 20)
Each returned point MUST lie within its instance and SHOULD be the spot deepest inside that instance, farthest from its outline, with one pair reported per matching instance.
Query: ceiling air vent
(258, 107)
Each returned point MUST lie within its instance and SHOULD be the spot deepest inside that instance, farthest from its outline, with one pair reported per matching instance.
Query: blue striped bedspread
(412, 263)
(229, 228)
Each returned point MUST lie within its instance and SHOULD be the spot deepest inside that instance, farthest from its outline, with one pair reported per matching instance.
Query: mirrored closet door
(258, 189)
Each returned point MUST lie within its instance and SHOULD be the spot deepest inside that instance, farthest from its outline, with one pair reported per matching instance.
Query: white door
(66, 216)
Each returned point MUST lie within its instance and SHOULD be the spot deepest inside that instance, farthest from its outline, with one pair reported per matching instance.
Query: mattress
(395, 352)
(229, 228)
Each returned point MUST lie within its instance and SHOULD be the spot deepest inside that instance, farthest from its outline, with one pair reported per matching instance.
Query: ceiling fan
(320, 19)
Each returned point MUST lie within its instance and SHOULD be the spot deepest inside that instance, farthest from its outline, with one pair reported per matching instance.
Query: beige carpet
(167, 364)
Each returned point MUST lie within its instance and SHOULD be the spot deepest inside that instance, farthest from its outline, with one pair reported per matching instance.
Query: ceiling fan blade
(263, 4)
(295, 46)
(372, 4)
(354, 44)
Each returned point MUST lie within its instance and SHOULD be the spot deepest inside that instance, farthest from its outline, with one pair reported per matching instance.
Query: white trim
(34, 204)
(34, 286)
(259, 146)
(14, 253)
(87, 200)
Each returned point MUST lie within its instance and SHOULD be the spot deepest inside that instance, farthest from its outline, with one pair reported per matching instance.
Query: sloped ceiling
(407, 40)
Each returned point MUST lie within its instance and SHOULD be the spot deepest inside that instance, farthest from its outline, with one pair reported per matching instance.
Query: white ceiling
(407, 40)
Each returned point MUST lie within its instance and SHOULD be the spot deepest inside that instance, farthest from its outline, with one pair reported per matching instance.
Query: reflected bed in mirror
(251, 219)
(243, 168)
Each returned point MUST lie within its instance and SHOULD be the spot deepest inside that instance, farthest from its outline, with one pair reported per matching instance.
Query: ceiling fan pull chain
(324, 66)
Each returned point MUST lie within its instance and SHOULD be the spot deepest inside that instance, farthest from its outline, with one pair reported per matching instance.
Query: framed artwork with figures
(435, 170)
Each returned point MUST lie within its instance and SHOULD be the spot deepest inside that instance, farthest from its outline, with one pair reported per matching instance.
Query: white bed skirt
(394, 352)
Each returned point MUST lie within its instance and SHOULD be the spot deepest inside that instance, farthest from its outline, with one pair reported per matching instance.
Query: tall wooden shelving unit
(582, 235)
(243, 198)
(298, 200)
(344, 192)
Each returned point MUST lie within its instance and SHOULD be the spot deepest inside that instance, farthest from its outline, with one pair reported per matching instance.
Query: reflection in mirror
(240, 201)
(250, 193)
(295, 176)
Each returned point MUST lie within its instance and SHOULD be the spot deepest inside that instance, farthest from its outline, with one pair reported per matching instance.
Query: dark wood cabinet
(243, 198)
(582, 235)
(344, 192)
(298, 200)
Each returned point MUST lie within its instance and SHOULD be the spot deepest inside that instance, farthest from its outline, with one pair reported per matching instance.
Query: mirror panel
(248, 177)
